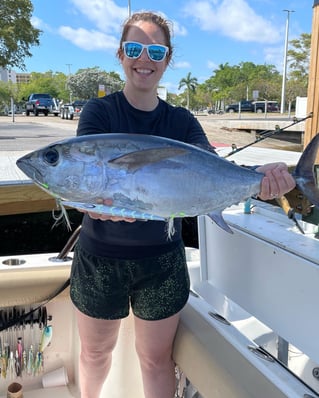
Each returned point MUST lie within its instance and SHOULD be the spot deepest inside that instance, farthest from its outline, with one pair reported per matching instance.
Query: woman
(122, 263)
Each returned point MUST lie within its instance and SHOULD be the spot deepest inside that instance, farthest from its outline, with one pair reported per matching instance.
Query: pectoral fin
(218, 219)
(135, 160)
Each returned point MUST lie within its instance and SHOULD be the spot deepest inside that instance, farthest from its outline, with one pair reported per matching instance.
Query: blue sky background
(206, 33)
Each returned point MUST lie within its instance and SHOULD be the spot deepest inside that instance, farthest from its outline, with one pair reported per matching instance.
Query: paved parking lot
(28, 133)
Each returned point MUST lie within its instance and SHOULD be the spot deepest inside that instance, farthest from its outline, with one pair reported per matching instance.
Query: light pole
(129, 8)
(284, 78)
(69, 68)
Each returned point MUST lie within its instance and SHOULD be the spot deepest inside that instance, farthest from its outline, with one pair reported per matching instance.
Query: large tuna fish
(148, 177)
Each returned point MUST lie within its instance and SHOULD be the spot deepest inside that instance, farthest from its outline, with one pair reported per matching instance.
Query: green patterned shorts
(155, 287)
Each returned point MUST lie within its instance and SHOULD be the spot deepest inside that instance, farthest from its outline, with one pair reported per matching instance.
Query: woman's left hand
(106, 217)
(277, 181)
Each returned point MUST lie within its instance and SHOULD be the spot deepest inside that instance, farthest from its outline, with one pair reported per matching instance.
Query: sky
(80, 34)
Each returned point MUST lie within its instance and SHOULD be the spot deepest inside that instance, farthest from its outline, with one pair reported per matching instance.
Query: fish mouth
(25, 165)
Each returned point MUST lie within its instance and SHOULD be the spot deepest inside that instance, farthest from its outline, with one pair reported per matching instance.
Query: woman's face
(143, 73)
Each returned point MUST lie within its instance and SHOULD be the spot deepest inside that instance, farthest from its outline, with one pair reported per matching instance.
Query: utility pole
(69, 68)
(284, 74)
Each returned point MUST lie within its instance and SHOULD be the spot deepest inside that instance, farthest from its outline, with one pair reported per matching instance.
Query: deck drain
(14, 262)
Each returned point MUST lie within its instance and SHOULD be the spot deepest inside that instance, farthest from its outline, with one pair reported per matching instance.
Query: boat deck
(9, 172)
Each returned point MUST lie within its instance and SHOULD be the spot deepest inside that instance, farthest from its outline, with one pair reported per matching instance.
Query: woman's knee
(96, 359)
(154, 341)
(98, 337)
(98, 350)
(154, 358)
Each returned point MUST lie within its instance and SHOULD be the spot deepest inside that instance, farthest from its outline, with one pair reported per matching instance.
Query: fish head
(61, 169)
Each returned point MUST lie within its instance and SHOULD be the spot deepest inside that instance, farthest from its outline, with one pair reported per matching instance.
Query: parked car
(253, 106)
(39, 103)
(272, 106)
(245, 106)
(215, 111)
(69, 111)
(78, 105)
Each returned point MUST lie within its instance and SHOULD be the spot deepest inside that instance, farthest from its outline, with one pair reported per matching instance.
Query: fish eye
(51, 156)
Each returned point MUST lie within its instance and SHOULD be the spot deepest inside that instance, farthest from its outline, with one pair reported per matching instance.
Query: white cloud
(275, 56)
(178, 29)
(181, 65)
(39, 24)
(107, 19)
(212, 65)
(234, 19)
(88, 40)
(171, 87)
(105, 14)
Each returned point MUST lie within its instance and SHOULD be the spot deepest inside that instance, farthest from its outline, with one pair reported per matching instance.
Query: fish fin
(113, 211)
(137, 159)
(218, 219)
(304, 172)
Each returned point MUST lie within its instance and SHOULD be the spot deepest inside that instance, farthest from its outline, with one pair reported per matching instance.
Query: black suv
(253, 106)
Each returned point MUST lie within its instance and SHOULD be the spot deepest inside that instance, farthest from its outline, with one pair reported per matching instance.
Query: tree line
(228, 83)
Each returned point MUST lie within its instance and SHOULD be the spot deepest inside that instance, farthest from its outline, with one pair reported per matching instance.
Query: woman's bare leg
(154, 346)
(98, 339)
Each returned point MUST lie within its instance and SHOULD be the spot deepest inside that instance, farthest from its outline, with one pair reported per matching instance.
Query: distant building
(23, 77)
(9, 75)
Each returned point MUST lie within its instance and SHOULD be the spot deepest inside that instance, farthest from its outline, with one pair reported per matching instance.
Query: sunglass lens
(157, 53)
(133, 50)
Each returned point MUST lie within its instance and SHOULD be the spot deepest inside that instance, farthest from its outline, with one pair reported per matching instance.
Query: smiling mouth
(144, 72)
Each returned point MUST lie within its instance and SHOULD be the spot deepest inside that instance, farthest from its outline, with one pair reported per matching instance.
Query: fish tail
(304, 173)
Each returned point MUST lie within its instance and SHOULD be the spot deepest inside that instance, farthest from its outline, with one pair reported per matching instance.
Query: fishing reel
(298, 202)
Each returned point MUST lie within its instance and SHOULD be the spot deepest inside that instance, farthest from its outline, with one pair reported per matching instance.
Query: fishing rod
(269, 133)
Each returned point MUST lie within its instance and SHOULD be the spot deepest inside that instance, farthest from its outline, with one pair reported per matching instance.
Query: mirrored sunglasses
(155, 52)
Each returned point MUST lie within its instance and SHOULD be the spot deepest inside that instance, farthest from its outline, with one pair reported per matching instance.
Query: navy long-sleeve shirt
(114, 114)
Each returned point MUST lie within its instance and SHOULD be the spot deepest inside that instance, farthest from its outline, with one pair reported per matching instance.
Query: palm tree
(190, 83)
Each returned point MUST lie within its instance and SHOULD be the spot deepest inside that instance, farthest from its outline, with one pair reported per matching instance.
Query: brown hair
(146, 16)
